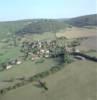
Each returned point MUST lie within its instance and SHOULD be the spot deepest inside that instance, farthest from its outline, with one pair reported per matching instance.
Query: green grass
(43, 36)
(8, 53)
(27, 68)
(77, 81)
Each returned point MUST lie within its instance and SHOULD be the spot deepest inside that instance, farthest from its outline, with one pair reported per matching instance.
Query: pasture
(77, 81)
(8, 53)
(26, 69)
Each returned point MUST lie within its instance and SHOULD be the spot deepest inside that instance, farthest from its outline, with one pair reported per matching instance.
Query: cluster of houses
(9, 64)
(37, 49)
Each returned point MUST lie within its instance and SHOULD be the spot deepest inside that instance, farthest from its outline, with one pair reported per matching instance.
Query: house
(77, 50)
(8, 66)
(34, 57)
(18, 62)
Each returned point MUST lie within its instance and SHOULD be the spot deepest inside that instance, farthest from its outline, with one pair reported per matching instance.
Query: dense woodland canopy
(42, 25)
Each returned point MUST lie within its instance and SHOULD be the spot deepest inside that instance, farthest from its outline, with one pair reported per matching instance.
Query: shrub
(30, 79)
(44, 74)
(39, 61)
(14, 87)
(2, 91)
(18, 84)
(8, 88)
(54, 69)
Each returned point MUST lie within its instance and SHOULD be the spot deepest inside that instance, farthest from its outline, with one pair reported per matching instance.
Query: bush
(44, 74)
(39, 61)
(8, 88)
(14, 87)
(18, 84)
(54, 69)
(2, 91)
(30, 79)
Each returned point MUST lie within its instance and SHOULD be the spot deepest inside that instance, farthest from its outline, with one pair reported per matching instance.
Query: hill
(42, 25)
(38, 26)
(54, 25)
(12, 27)
(84, 20)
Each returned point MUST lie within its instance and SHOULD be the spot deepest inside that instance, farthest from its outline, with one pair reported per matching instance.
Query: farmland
(28, 68)
(76, 81)
(77, 32)
(36, 49)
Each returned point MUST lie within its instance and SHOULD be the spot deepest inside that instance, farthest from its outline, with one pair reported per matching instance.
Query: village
(36, 50)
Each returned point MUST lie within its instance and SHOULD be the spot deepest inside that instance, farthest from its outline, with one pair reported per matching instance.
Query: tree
(43, 85)
(3, 65)
(14, 40)
(74, 44)
(67, 57)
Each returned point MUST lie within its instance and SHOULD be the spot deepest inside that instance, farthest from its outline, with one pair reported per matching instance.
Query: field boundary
(33, 78)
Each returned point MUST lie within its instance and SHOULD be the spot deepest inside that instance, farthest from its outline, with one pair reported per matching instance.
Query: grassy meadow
(77, 81)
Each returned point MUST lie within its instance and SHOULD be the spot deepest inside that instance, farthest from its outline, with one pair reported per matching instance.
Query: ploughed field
(77, 32)
(89, 44)
(90, 35)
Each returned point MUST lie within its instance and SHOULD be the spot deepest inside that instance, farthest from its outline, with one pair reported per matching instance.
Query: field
(28, 68)
(89, 44)
(76, 81)
(76, 32)
(8, 53)
(43, 36)
(90, 34)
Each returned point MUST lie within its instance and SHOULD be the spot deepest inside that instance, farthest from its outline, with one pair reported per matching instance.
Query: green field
(26, 69)
(9, 53)
(77, 81)
(43, 36)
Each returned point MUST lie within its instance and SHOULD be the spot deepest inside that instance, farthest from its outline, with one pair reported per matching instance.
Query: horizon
(44, 18)
(49, 9)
